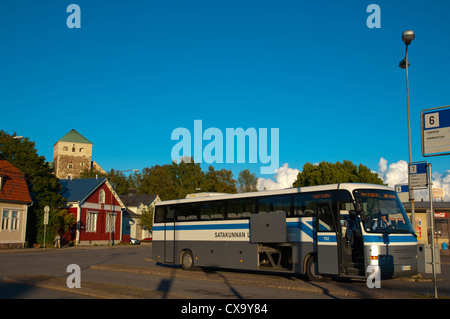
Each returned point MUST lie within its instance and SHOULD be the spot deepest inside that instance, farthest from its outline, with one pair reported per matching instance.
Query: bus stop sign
(402, 192)
(435, 131)
(418, 175)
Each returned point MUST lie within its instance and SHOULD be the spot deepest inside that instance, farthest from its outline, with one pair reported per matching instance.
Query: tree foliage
(43, 186)
(146, 220)
(329, 173)
(179, 179)
(247, 181)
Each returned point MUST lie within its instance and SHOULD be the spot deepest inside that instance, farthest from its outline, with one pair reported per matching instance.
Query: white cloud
(397, 173)
(284, 178)
(382, 167)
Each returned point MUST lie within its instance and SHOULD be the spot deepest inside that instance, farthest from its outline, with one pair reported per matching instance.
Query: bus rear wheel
(187, 260)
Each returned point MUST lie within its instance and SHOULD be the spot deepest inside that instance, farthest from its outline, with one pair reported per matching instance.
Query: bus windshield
(382, 212)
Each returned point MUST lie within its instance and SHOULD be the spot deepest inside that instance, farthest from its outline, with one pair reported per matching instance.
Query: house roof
(77, 190)
(14, 185)
(74, 137)
(426, 205)
(137, 199)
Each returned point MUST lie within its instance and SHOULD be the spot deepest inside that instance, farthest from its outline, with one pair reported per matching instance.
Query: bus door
(327, 244)
(352, 246)
(169, 236)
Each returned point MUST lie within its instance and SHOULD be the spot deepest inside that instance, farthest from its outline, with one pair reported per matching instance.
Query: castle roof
(74, 137)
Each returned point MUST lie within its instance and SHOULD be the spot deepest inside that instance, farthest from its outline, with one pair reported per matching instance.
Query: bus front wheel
(310, 270)
(187, 260)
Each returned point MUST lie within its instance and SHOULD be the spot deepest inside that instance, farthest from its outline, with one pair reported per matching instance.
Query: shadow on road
(13, 291)
(165, 284)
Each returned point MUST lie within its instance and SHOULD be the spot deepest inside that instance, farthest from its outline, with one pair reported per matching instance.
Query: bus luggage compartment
(268, 228)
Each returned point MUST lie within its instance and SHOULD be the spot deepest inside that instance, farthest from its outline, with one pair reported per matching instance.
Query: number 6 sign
(431, 120)
(435, 124)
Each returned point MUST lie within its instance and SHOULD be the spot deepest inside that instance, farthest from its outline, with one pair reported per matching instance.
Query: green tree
(187, 178)
(176, 180)
(247, 181)
(156, 180)
(121, 183)
(88, 173)
(44, 187)
(219, 181)
(146, 220)
(329, 173)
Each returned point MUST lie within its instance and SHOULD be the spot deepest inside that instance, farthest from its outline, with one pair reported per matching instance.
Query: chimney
(132, 191)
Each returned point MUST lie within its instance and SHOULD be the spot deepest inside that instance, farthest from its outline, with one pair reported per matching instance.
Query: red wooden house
(14, 202)
(98, 211)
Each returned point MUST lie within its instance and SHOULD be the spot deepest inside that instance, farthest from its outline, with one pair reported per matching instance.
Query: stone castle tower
(72, 154)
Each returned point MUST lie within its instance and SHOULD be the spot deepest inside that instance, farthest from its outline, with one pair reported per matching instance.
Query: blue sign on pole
(435, 131)
(402, 192)
(402, 188)
(418, 175)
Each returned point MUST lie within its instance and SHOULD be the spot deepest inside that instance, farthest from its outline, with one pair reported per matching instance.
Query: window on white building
(10, 220)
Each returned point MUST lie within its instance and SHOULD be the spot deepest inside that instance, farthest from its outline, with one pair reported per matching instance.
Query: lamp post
(407, 38)
(111, 225)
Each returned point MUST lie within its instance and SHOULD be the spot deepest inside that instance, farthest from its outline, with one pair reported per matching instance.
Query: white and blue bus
(319, 231)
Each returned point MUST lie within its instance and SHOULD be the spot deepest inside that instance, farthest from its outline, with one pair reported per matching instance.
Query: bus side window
(325, 218)
(170, 214)
(249, 207)
(192, 212)
(159, 214)
(272, 204)
(210, 210)
(188, 212)
(241, 208)
(302, 206)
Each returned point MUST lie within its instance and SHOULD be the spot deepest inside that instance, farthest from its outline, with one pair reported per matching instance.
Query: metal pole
(108, 224)
(45, 231)
(433, 250)
(411, 190)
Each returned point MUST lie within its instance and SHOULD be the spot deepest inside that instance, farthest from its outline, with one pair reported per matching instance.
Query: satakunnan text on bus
(319, 231)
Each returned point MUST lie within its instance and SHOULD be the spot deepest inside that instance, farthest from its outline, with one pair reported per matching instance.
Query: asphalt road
(128, 272)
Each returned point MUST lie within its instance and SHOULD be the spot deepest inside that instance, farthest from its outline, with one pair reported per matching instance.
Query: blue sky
(137, 70)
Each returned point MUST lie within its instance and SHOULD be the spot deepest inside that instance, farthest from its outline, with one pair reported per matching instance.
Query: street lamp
(12, 138)
(110, 222)
(407, 38)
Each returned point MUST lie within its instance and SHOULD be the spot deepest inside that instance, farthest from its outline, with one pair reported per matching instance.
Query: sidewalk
(40, 249)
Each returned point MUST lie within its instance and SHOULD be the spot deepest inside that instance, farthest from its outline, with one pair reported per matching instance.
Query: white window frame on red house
(91, 221)
(101, 196)
(110, 222)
